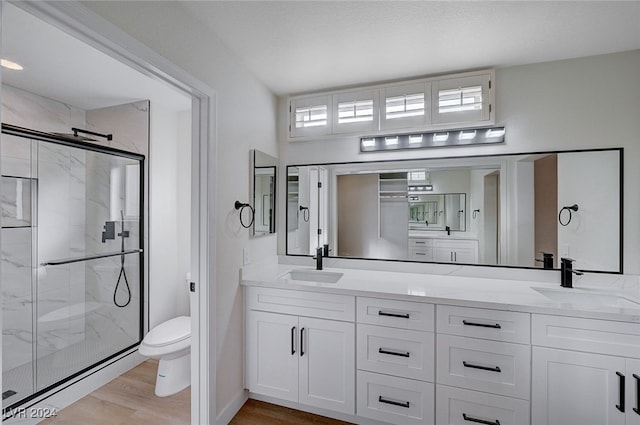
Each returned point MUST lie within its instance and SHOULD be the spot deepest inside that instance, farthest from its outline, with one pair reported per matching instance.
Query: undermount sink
(582, 297)
(309, 275)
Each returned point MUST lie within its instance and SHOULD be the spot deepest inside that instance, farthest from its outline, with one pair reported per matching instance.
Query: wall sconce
(433, 139)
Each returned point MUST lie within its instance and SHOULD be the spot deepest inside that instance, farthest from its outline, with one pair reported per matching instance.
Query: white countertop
(503, 294)
(441, 234)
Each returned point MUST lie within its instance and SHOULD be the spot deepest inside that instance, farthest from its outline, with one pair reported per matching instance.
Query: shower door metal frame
(30, 135)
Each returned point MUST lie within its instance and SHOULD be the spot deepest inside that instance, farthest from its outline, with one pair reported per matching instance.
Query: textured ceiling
(59, 66)
(298, 46)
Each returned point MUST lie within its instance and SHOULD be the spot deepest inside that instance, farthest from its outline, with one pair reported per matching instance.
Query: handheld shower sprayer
(123, 274)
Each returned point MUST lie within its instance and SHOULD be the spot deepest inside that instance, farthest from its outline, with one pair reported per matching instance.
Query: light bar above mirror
(433, 139)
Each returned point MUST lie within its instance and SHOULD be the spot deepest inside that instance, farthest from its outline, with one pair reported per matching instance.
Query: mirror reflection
(502, 210)
(264, 193)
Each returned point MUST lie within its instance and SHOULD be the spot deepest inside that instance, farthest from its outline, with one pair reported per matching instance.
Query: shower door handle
(89, 257)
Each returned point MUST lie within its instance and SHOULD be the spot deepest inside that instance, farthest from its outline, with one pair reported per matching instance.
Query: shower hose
(123, 273)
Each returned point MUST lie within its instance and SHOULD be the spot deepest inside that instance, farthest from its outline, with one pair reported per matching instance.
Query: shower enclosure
(72, 260)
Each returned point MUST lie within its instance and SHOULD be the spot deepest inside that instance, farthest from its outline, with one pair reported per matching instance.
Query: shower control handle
(109, 231)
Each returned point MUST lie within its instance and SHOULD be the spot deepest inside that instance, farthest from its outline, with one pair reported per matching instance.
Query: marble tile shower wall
(129, 125)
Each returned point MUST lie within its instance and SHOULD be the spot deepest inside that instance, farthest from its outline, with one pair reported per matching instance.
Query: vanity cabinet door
(633, 392)
(572, 388)
(327, 364)
(272, 350)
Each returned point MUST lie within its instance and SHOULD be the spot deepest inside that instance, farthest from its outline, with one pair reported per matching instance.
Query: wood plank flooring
(256, 412)
(128, 399)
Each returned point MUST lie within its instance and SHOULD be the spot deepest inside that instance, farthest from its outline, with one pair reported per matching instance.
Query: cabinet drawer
(497, 325)
(495, 367)
(420, 243)
(421, 254)
(302, 303)
(455, 406)
(396, 352)
(592, 335)
(396, 314)
(395, 400)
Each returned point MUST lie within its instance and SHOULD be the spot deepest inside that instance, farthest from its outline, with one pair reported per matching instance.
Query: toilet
(171, 343)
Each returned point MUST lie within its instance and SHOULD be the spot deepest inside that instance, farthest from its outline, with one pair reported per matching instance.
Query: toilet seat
(170, 337)
(169, 332)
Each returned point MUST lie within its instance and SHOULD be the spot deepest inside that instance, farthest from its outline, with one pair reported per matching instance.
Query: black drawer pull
(400, 315)
(393, 402)
(394, 353)
(479, 421)
(482, 325)
(620, 406)
(421, 243)
(293, 337)
(301, 342)
(475, 366)
(637, 408)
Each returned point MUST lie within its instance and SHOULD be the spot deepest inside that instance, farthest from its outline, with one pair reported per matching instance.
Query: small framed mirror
(264, 171)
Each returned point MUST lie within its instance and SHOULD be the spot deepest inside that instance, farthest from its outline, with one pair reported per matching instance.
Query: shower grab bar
(90, 257)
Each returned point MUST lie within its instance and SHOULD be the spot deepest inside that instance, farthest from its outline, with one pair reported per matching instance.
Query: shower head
(76, 137)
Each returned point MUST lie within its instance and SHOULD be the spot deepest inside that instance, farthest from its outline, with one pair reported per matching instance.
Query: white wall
(598, 209)
(569, 104)
(246, 117)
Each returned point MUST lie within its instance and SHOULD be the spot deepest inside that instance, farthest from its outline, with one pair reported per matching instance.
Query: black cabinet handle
(400, 315)
(393, 402)
(475, 366)
(394, 353)
(479, 421)
(482, 325)
(293, 337)
(637, 408)
(620, 406)
(301, 342)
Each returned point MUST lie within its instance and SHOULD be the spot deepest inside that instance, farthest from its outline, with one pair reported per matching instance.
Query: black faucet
(318, 258)
(566, 272)
(547, 260)
(325, 251)
(448, 229)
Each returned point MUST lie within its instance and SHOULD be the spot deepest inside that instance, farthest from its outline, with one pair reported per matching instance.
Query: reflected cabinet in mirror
(499, 210)
(263, 168)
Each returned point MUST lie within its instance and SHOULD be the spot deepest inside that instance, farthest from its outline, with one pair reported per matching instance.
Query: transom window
(355, 111)
(460, 99)
(410, 105)
(311, 116)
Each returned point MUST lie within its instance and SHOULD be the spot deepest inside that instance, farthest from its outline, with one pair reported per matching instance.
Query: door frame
(87, 26)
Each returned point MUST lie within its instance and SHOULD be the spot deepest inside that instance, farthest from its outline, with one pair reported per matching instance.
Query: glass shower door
(89, 240)
(19, 188)
(71, 259)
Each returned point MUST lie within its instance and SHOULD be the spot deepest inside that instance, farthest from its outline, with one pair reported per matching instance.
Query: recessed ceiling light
(6, 63)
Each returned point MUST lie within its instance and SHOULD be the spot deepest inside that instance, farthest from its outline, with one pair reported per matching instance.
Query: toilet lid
(169, 332)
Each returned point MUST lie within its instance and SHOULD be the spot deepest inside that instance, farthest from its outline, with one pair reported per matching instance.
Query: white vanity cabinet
(482, 366)
(296, 353)
(455, 251)
(421, 249)
(443, 250)
(395, 352)
(585, 371)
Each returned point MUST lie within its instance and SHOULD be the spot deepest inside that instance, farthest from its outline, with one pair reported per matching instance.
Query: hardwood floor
(256, 412)
(128, 399)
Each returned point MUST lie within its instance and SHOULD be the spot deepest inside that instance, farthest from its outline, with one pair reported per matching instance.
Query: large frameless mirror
(499, 210)
(264, 173)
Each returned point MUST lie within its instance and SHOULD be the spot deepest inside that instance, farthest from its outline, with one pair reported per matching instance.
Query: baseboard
(231, 409)
(359, 420)
(58, 398)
